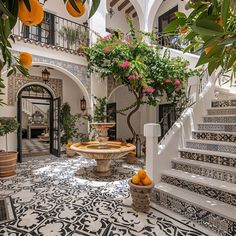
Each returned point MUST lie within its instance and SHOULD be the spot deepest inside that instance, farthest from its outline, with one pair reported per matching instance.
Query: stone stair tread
(209, 204)
(223, 154)
(220, 116)
(222, 100)
(212, 123)
(214, 132)
(204, 164)
(222, 108)
(212, 142)
(202, 180)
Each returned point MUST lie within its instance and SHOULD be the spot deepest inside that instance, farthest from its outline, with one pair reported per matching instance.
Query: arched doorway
(38, 114)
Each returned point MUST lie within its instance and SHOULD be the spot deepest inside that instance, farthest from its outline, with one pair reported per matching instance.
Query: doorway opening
(38, 115)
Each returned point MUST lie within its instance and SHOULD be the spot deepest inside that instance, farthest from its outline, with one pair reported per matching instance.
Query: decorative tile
(224, 103)
(214, 193)
(208, 172)
(217, 127)
(214, 136)
(214, 159)
(230, 111)
(220, 119)
(216, 223)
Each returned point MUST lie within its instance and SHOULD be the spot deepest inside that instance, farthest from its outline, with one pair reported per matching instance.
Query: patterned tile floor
(50, 200)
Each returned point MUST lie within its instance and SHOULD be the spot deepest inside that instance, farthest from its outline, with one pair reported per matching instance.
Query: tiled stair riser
(218, 224)
(214, 136)
(210, 173)
(211, 147)
(216, 194)
(214, 159)
(220, 119)
(217, 127)
(219, 111)
(224, 103)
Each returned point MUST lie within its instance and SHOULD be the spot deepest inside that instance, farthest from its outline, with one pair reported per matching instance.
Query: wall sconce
(45, 75)
(83, 104)
(111, 12)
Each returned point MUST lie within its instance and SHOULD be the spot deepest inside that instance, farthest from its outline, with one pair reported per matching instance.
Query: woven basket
(8, 164)
(141, 196)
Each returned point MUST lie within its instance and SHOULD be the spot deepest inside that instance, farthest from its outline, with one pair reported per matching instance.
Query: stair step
(214, 171)
(215, 215)
(224, 159)
(224, 103)
(219, 119)
(213, 188)
(209, 145)
(221, 111)
(222, 127)
(215, 135)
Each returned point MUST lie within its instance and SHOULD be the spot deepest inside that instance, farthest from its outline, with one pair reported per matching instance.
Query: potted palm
(7, 159)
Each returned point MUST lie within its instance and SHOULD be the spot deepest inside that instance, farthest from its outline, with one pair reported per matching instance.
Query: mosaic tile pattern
(217, 127)
(211, 147)
(224, 103)
(216, 194)
(50, 200)
(215, 159)
(218, 224)
(207, 172)
(220, 119)
(230, 111)
(214, 136)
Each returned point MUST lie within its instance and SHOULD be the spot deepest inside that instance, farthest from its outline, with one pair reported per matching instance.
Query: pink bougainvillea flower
(106, 50)
(177, 90)
(149, 90)
(106, 37)
(138, 77)
(125, 65)
(177, 82)
(168, 81)
(131, 77)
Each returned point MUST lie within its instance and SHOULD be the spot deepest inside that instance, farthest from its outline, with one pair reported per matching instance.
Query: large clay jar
(141, 196)
(8, 164)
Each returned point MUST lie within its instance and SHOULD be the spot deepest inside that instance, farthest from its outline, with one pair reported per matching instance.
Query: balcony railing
(54, 32)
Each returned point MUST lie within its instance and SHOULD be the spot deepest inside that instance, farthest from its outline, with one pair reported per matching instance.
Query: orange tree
(211, 30)
(139, 66)
(30, 12)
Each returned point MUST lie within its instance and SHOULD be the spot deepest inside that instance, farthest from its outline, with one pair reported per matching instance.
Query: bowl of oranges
(141, 187)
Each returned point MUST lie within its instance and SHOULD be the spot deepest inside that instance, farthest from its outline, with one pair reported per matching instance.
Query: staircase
(29, 108)
(202, 182)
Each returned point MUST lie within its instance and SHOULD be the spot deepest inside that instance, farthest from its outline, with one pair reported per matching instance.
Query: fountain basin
(103, 154)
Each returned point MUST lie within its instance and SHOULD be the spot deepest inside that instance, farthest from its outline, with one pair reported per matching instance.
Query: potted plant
(69, 128)
(70, 34)
(7, 159)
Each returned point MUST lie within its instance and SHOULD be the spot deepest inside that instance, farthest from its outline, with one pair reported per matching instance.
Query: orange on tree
(33, 17)
(72, 11)
(25, 59)
(208, 49)
(184, 30)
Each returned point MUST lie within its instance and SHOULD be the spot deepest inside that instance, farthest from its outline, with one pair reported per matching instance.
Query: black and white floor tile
(61, 196)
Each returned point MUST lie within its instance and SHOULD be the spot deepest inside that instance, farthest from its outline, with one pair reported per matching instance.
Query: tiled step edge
(213, 188)
(214, 171)
(224, 103)
(205, 211)
(214, 135)
(220, 127)
(209, 145)
(222, 111)
(224, 159)
(220, 119)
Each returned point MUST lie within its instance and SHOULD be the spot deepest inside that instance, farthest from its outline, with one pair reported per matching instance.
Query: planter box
(8, 164)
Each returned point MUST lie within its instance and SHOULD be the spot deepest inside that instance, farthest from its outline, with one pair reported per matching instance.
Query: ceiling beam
(131, 8)
(113, 3)
(123, 4)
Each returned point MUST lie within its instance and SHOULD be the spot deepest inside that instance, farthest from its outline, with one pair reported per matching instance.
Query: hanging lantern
(45, 75)
(83, 104)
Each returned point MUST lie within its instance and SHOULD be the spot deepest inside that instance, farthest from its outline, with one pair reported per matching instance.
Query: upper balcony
(54, 32)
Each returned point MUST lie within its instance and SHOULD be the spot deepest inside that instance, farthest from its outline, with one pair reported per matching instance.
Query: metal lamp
(45, 75)
(83, 104)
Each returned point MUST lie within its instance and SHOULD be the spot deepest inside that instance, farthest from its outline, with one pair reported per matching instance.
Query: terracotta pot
(141, 196)
(8, 164)
(70, 152)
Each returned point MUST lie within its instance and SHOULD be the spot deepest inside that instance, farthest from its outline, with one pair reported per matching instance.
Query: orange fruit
(72, 11)
(135, 179)
(33, 17)
(219, 21)
(146, 180)
(25, 59)
(208, 49)
(142, 174)
(183, 30)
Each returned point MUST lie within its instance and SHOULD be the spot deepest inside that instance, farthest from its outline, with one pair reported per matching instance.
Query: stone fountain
(102, 150)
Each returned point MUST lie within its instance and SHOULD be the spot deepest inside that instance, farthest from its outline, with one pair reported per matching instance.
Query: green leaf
(27, 4)
(212, 66)
(205, 31)
(231, 61)
(225, 10)
(180, 15)
(189, 47)
(94, 7)
(5, 10)
(209, 25)
(73, 4)
(173, 25)
(229, 41)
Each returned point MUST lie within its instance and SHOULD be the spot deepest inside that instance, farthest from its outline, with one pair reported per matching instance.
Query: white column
(152, 131)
